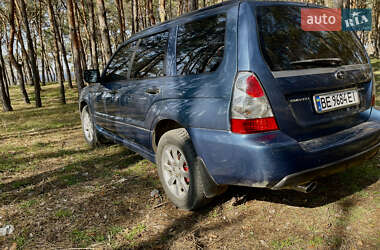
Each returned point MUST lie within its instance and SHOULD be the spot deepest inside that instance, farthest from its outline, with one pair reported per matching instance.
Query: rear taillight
(254, 88)
(249, 126)
(250, 108)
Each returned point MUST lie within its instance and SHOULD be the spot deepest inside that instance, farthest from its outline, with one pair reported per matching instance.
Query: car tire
(179, 170)
(91, 135)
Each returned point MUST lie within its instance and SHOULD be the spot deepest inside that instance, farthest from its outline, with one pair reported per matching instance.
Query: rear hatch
(323, 77)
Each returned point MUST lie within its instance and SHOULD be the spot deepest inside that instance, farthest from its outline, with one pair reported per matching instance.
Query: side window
(200, 45)
(119, 65)
(149, 59)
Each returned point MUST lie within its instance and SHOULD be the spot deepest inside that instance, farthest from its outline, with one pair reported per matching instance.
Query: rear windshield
(286, 46)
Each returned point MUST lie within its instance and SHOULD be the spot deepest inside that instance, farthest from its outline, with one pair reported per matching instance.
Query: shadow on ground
(124, 203)
(70, 174)
(331, 189)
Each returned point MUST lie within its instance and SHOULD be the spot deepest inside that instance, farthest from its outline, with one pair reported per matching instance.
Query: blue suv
(236, 94)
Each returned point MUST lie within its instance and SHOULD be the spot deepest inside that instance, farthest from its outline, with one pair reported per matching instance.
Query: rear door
(318, 82)
(144, 87)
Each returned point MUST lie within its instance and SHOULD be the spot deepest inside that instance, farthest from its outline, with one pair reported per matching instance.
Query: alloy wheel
(175, 171)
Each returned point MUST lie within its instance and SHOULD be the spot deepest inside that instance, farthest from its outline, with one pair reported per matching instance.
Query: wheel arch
(161, 127)
(82, 104)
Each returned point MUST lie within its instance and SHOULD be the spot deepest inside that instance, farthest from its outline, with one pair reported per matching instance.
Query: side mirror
(91, 75)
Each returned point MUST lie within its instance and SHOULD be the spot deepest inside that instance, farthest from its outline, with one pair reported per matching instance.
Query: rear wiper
(321, 61)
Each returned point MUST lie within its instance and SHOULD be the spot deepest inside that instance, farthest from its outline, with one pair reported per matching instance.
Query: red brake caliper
(186, 168)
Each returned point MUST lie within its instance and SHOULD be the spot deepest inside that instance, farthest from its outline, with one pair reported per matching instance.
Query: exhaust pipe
(305, 188)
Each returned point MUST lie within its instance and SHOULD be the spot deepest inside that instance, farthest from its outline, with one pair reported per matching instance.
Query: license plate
(326, 102)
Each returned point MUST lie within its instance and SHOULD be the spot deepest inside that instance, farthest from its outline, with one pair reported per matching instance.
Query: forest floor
(59, 193)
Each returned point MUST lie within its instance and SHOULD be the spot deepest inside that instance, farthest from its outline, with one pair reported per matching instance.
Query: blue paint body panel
(262, 160)
(124, 112)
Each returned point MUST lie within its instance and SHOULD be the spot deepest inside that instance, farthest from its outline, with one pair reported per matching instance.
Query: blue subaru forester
(236, 94)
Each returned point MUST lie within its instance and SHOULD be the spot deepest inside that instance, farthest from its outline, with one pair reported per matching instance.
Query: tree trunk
(193, 5)
(36, 77)
(6, 77)
(375, 33)
(12, 58)
(82, 49)
(55, 31)
(78, 30)
(42, 42)
(104, 29)
(67, 67)
(48, 78)
(43, 70)
(123, 16)
(147, 13)
(75, 46)
(180, 8)
(136, 7)
(133, 13)
(27, 68)
(13, 82)
(170, 9)
(64, 53)
(94, 47)
(25, 57)
(119, 6)
(3, 94)
(83, 15)
(104, 62)
(141, 16)
(338, 4)
(55, 66)
(50, 73)
(162, 10)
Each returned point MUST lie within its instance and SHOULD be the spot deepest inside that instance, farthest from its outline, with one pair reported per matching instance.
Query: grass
(82, 238)
(63, 213)
(114, 230)
(20, 241)
(28, 204)
(286, 243)
(316, 241)
(87, 237)
(134, 232)
(59, 193)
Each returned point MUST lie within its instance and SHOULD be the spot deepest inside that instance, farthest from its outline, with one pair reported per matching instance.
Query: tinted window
(284, 44)
(119, 65)
(149, 59)
(200, 45)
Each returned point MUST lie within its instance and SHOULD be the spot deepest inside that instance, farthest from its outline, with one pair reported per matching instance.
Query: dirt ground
(58, 193)
(77, 197)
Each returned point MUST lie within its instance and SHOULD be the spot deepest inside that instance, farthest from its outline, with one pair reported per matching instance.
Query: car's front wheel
(180, 170)
(92, 137)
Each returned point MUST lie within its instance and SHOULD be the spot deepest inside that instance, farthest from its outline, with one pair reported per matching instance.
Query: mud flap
(211, 189)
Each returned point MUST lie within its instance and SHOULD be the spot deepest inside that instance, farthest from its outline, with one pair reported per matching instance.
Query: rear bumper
(275, 160)
(311, 174)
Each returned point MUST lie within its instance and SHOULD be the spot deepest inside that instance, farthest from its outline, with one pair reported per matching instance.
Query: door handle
(152, 91)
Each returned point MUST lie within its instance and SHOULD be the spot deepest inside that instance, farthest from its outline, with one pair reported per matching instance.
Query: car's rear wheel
(92, 137)
(180, 170)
